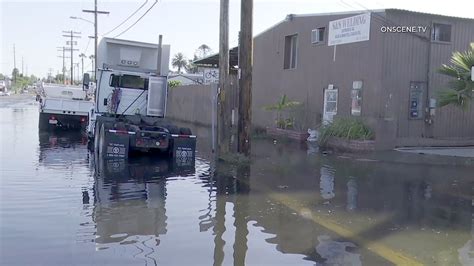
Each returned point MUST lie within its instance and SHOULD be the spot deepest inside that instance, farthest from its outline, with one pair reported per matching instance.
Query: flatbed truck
(62, 107)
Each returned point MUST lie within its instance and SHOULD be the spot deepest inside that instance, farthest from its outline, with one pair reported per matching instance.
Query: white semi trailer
(130, 102)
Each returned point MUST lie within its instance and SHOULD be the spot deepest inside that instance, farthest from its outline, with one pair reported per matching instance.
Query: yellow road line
(380, 249)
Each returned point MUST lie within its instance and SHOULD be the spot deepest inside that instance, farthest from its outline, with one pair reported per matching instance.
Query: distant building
(380, 66)
(186, 78)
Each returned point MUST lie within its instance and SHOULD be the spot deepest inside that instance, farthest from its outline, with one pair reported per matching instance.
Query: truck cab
(130, 103)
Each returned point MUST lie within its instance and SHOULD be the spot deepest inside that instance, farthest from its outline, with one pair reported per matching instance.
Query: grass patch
(346, 128)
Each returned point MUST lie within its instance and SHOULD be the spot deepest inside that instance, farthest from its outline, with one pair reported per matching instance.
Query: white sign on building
(349, 30)
(211, 75)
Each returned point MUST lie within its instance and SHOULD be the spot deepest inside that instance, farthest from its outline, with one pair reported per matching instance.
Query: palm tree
(82, 56)
(191, 67)
(283, 104)
(179, 61)
(92, 57)
(203, 50)
(461, 88)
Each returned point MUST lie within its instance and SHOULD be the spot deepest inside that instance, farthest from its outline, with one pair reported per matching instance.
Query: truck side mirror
(85, 81)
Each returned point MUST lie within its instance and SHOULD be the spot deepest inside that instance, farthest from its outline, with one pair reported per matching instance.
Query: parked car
(3, 88)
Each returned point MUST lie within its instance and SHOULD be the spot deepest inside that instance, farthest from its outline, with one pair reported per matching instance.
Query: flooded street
(291, 206)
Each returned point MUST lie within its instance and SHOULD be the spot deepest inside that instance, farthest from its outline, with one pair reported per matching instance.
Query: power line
(146, 12)
(87, 46)
(138, 9)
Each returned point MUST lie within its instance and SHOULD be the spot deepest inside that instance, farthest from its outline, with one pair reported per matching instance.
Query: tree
(203, 50)
(174, 83)
(82, 56)
(191, 67)
(461, 87)
(179, 61)
(92, 57)
(15, 73)
(59, 78)
(283, 104)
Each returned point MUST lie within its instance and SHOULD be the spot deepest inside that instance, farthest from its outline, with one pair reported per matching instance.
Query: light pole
(83, 19)
(83, 55)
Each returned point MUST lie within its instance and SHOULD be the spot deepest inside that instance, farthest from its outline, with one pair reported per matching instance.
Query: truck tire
(43, 124)
(185, 131)
(101, 143)
(96, 136)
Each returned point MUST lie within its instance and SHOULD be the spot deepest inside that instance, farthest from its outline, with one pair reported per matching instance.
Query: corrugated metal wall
(407, 60)
(386, 64)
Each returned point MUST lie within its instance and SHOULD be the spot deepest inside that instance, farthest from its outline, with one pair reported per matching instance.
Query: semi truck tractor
(130, 103)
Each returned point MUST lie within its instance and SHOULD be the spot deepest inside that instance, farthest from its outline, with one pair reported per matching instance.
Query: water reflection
(336, 252)
(280, 205)
(327, 182)
(62, 149)
(351, 194)
(130, 198)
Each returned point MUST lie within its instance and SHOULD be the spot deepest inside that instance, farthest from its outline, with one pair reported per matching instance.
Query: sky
(35, 27)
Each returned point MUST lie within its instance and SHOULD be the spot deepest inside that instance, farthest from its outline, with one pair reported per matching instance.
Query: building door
(330, 105)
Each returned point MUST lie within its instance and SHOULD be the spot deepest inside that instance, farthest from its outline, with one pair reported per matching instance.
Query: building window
(441, 32)
(356, 96)
(291, 51)
(317, 35)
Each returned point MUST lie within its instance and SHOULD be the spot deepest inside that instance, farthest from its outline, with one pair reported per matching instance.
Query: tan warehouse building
(379, 65)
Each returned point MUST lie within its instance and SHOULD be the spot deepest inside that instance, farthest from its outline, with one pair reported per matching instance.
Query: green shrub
(346, 128)
(174, 83)
(283, 105)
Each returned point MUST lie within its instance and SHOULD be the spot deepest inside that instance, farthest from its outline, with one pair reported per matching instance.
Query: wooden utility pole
(95, 12)
(63, 49)
(72, 43)
(245, 66)
(223, 125)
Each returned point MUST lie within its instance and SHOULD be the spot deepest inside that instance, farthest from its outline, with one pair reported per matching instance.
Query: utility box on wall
(415, 107)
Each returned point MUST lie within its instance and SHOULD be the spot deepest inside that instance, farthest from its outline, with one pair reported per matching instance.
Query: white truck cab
(130, 102)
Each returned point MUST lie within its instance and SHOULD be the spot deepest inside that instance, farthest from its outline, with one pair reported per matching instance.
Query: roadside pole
(158, 57)
(63, 50)
(223, 125)
(95, 12)
(72, 34)
(245, 66)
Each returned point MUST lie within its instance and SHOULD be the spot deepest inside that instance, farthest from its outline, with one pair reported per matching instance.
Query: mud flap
(116, 145)
(184, 149)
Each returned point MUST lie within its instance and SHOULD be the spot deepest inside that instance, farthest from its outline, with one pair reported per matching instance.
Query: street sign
(211, 75)
(349, 30)
(73, 43)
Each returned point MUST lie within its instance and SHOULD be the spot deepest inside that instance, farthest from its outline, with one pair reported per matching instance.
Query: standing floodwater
(61, 206)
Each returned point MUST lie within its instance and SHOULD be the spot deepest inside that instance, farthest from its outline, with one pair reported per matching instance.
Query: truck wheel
(96, 136)
(102, 147)
(185, 131)
(43, 124)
